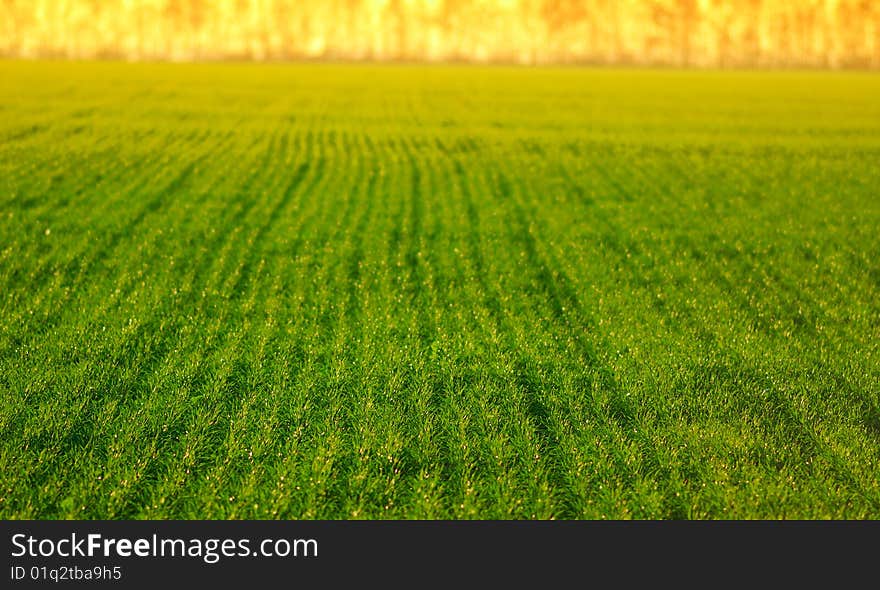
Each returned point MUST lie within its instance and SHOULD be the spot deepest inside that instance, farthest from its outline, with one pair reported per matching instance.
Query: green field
(339, 291)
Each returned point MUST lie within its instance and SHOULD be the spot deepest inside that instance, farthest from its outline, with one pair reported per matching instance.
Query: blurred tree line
(812, 33)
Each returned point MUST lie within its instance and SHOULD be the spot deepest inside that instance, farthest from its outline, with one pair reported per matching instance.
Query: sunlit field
(327, 291)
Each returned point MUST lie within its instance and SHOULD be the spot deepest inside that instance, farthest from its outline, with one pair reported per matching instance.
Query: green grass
(303, 291)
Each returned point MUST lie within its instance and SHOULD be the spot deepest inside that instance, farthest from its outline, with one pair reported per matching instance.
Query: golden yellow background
(814, 33)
